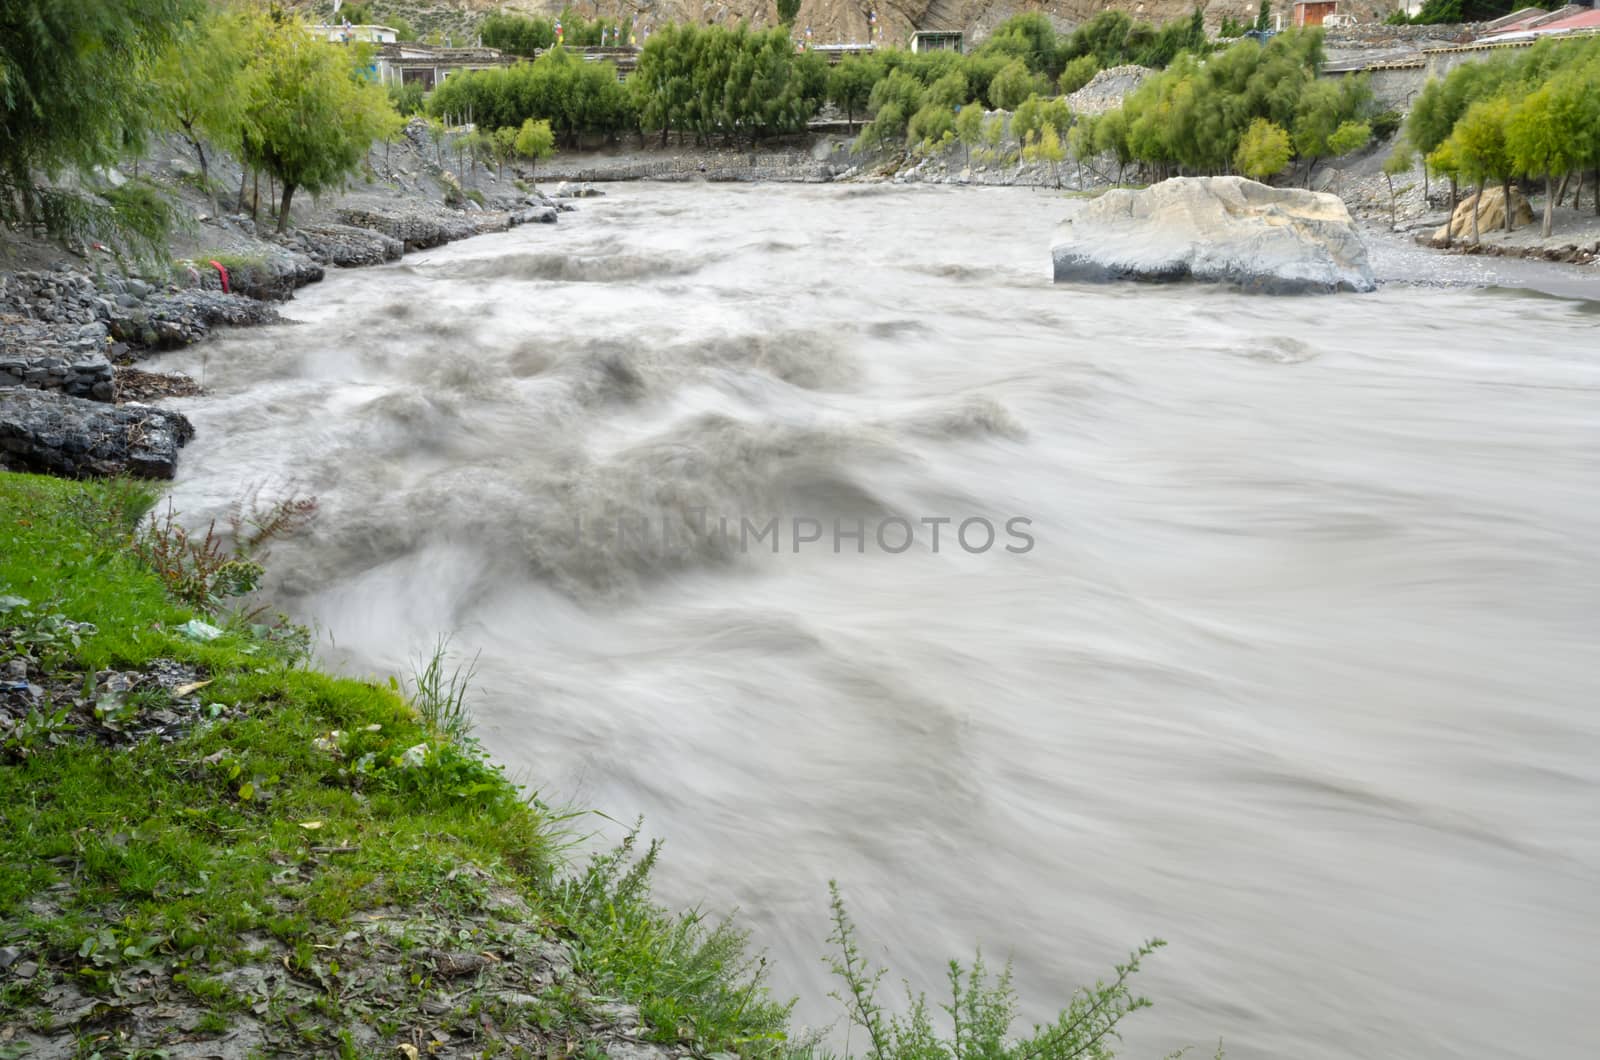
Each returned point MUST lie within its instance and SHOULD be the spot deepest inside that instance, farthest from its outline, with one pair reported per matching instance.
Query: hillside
(830, 20)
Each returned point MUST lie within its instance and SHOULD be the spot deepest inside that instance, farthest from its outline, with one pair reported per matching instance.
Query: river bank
(74, 323)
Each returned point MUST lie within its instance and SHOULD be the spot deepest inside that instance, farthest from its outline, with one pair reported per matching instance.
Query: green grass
(172, 852)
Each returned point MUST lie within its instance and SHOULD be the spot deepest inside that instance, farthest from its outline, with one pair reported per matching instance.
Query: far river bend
(1300, 672)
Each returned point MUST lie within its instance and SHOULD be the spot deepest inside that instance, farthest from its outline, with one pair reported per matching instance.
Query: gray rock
(60, 435)
(1215, 229)
(416, 226)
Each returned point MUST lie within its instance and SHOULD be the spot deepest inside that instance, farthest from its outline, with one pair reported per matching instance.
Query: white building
(341, 34)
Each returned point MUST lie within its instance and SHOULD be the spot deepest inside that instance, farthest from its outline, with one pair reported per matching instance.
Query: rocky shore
(71, 332)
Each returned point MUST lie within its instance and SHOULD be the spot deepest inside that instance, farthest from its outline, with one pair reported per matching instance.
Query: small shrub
(440, 696)
(1385, 124)
(981, 1009)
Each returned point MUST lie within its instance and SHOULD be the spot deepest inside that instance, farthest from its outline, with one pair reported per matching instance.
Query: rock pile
(54, 434)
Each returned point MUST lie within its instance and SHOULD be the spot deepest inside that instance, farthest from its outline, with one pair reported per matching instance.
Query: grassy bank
(208, 849)
(283, 861)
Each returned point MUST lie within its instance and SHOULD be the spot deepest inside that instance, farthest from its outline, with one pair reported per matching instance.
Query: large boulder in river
(49, 432)
(1218, 229)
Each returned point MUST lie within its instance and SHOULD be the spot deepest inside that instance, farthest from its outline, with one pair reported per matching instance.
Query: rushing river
(1299, 671)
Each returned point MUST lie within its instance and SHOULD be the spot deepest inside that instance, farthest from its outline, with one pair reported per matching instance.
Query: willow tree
(313, 116)
(201, 83)
(74, 88)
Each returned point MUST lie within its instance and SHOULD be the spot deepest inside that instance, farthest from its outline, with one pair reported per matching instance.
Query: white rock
(1217, 229)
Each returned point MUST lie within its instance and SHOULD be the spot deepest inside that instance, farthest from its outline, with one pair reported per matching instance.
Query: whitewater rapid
(1297, 670)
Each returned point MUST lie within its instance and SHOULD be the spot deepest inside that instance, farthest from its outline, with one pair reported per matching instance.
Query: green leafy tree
(1080, 142)
(1264, 17)
(787, 10)
(1263, 151)
(931, 126)
(850, 85)
(313, 116)
(1481, 151)
(1012, 85)
(201, 82)
(75, 91)
(1545, 134)
(1047, 147)
(1400, 160)
(969, 128)
(1078, 72)
(535, 141)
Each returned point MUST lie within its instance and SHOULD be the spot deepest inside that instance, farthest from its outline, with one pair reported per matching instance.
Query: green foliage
(1013, 84)
(1531, 114)
(1078, 72)
(1193, 116)
(1385, 124)
(981, 1009)
(1264, 16)
(201, 82)
(407, 98)
(931, 126)
(574, 96)
(787, 10)
(535, 141)
(739, 84)
(699, 982)
(75, 91)
(310, 116)
(1263, 150)
(516, 34)
(850, 83)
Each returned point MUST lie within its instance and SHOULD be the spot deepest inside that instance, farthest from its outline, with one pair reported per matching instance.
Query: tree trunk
(1549, 205)
(255, 200)
(1561, 192)
(205, 170)
(283, 212)
(1476, 203)
(1505, 189)
(1392, 219)
(244, 178)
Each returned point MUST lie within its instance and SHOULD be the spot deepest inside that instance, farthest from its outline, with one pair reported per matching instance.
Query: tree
(314, 116)
(1047, 147)
(787, 10)
(1012, 85)
(74, 88)
(1264, 18)
(1545, 135)
(1321, 116)
(850, 85)
(1111, 136)
(1400, 160)
(1481, 152)
(200, 82)
(1080, 142)
(1263, 150)
(504, 147)
(535, 141)
(931, 126)
(969, 128)
(1078, 72)
(1349, 136)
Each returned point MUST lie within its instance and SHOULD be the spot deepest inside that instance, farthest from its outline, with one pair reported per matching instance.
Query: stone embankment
(64, 332)
(819, 165)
